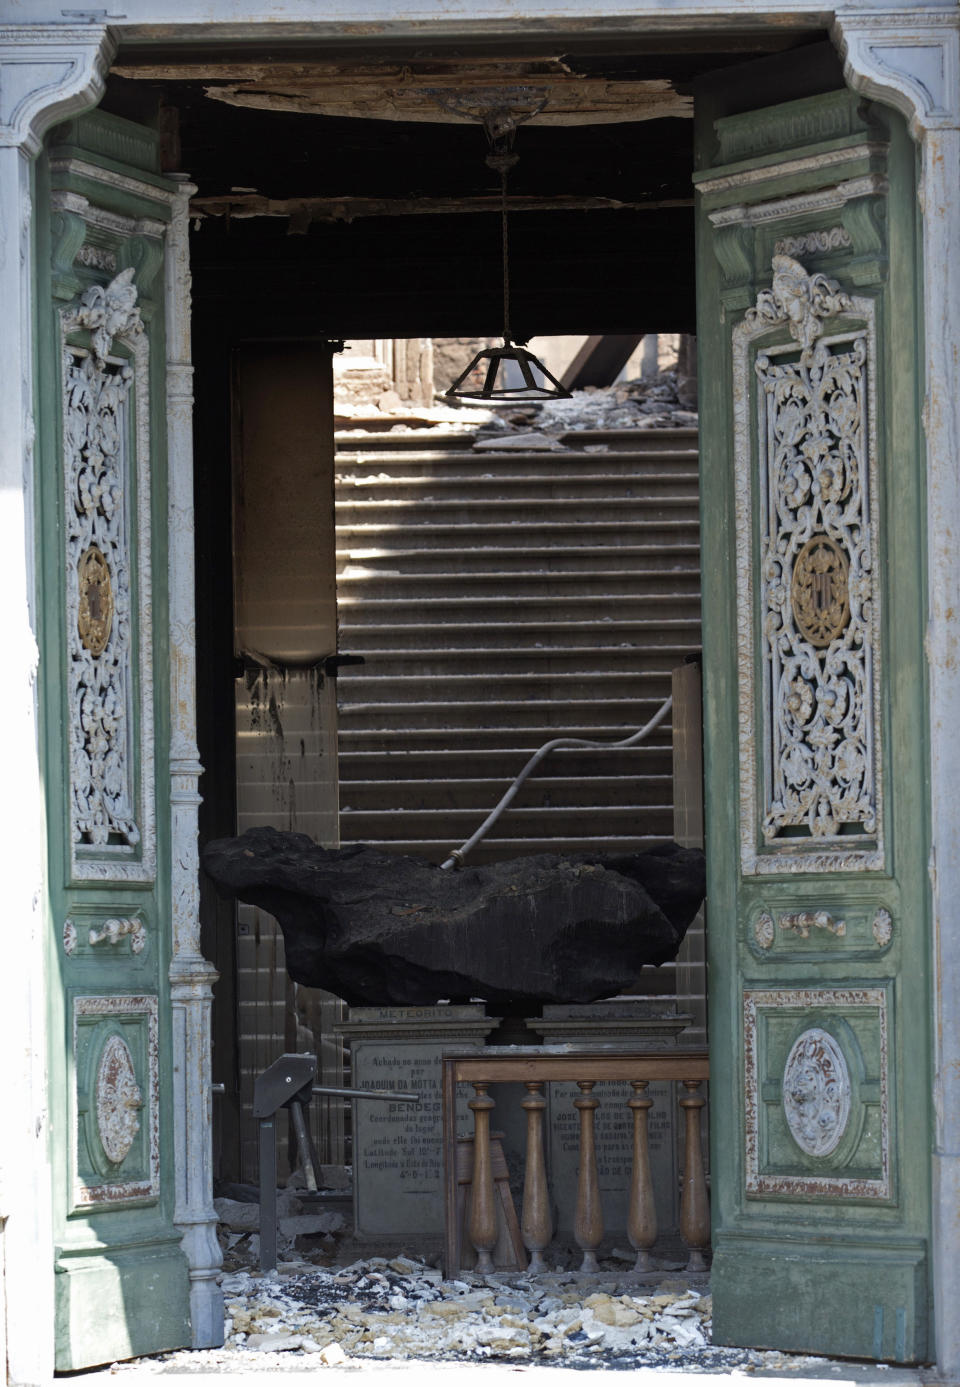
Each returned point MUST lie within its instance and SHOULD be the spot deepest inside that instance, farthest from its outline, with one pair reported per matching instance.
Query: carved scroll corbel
(802, 921)
(113, 930)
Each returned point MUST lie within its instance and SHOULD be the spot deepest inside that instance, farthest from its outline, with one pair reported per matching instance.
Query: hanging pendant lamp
(495, 388)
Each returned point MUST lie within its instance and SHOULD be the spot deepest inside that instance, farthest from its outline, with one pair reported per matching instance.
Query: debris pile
(633, 404)
(658, 402)
(302, 1229)
(402, 1308)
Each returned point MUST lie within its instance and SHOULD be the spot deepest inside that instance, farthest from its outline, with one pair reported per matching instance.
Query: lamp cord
(503, 161)
(507, 335)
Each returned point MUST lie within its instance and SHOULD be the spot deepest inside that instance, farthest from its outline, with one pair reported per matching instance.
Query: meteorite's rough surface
(378, 929)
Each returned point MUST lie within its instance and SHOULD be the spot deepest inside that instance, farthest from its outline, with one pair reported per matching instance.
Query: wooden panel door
(812, 488)
(121, 1276)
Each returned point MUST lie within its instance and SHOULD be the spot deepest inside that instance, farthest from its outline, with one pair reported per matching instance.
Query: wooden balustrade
(535, 1067)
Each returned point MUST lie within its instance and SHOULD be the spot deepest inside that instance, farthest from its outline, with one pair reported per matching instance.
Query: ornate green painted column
(45, 73)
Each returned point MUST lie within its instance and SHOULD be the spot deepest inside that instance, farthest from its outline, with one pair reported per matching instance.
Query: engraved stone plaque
(397, 1162)
(614, 1143)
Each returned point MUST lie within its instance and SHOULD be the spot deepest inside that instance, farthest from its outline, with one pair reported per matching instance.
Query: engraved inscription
(613, 1142)
(816, 1093)
(399, 1155)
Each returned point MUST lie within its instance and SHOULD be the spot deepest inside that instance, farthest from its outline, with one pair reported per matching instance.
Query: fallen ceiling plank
(600, 360)
(570, 100)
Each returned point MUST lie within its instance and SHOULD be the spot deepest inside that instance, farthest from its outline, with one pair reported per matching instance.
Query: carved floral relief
(812, 585)
(106, 531)
(117, 1053)
(816, 1093)
(838, 1128)
(118, 1100)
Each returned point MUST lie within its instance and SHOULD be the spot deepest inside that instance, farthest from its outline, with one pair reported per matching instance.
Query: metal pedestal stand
(288, 1083)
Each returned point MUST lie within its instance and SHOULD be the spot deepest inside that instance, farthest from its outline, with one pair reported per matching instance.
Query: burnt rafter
(304, 210)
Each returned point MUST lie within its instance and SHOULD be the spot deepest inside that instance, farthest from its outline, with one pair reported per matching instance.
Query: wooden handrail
(535, 1066)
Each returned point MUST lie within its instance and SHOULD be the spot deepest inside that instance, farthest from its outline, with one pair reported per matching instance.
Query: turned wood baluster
(535, 1225)
(694, 1206)
(483, 1214)
(588, 1224)
(642, 1213)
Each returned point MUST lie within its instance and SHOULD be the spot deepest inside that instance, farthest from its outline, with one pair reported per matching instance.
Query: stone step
(496, 849)
(486, 741)
(532, 520)
(372, 686)
(358, 609)
(540, 469)
(521, 564)
(503, 599)
(425, 638)
(399, 822)
(440, 765)
(480, 794)
(559, 717)
(510, 662)
(456, 440)
(569, 481)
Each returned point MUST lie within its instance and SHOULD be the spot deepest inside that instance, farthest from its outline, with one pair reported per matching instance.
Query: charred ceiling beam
(348, 209)
(304, 210)
(421, 90)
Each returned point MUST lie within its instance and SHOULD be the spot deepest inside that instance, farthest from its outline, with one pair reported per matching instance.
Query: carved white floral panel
(117, 1061)
(106, 437)
(820, 1102)
(808, 597)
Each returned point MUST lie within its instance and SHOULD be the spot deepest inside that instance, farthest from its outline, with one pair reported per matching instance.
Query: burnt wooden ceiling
(362, 240)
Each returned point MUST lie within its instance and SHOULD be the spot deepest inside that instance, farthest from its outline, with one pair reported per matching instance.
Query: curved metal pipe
(456, 858)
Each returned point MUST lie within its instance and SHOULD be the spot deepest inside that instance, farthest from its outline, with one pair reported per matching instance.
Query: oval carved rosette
(816, 1092)
(118, 1100)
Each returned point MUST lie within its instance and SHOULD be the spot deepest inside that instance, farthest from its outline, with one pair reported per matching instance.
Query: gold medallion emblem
(95, 612)
(820, 591)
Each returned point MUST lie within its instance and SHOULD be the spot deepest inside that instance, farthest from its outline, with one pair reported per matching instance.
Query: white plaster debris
(402, 1308)
(632, 404)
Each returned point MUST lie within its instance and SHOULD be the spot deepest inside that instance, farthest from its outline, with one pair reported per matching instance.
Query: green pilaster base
(117, 1305)
(787, 1298)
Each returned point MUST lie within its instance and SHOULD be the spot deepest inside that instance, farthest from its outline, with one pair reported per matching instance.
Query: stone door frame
(909, 59)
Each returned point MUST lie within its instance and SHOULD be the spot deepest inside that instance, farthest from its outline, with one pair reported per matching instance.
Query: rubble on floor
(401, 1308)
(632, 404)
(652, 403)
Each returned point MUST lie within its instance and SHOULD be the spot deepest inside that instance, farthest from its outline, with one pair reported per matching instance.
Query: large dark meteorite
(377, 929)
